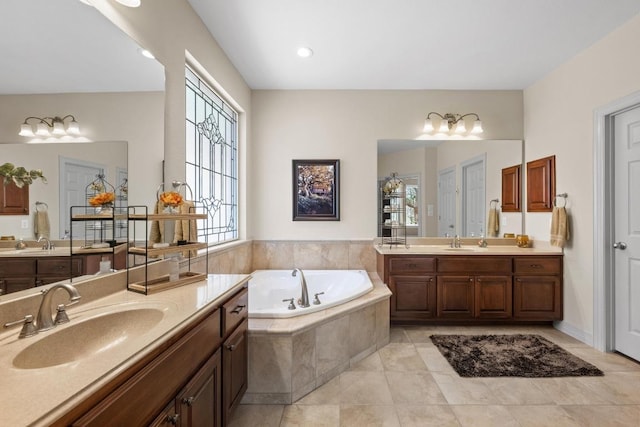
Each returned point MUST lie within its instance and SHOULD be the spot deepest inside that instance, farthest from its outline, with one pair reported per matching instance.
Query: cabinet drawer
(412, 265)
(16, 267)
(235, 311)
(538, 265)
(474, 264)
(59, 266)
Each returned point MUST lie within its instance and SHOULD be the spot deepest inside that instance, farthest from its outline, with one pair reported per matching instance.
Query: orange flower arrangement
(171, 198)
(102, 199)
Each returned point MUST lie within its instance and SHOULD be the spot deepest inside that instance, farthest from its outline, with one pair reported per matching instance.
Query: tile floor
(409, 383)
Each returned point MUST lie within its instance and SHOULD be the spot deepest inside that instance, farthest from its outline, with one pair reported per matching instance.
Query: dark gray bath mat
(530, 356)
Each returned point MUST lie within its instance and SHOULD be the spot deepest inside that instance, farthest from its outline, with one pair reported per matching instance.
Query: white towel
(559, 227)
(493, 225)
(41, 226)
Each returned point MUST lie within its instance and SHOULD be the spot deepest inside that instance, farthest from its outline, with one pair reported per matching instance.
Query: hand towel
(559, 227)
(157, 227)
(41, 226)
(493, 225)
(186, 229)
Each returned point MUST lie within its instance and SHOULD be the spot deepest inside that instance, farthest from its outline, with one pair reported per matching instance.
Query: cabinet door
(13, 200)
(493, 297)
(537, 298)
(234, 369)
(199, 403)
(15, 284)
(18, 267)
(456, 297)
(412, 296)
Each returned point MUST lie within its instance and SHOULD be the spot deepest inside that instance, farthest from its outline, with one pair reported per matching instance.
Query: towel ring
(39, 204)
(555, 200)
(492, 205)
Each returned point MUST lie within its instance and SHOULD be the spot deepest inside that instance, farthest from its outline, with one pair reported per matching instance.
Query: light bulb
(26, 130)
(477, 127)
(444, 126)
(42, 129)
(58, 128)
(460, 127)
(129, 3)
(428, 125)
(73, 128)
(305, 52)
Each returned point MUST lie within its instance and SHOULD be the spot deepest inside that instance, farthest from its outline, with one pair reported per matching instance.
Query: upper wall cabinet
(511, 189)
(13, 200)
(541, 184)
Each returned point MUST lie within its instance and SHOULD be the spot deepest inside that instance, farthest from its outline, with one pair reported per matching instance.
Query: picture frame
(316, 190)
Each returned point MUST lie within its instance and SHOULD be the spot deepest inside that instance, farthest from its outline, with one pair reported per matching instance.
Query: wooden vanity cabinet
(195, 380)
(458, 288)
(13, 200)
(537, 288)
(17, 274)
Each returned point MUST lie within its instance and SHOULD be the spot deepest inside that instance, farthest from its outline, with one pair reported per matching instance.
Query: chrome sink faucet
(304, 298)
(455, 242)
(44, 320)
(47, 244)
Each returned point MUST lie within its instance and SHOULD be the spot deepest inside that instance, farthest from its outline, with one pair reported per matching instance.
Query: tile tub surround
(289, 358)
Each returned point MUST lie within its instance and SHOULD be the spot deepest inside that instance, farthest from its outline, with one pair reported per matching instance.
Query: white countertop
(465, 250)
(40, 396)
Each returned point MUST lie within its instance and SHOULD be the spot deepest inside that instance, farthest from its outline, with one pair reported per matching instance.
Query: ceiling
(65, 46)
(406, 44)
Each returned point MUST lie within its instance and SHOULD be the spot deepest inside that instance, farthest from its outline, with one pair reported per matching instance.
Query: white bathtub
(267, 289)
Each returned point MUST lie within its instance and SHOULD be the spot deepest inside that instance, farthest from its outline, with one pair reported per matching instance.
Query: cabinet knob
(231, 347)
(173, 419)
(238, 309)
(188, 400)
(536, 266)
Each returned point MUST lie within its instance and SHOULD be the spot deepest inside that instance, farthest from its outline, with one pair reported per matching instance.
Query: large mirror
(64, 57)
(451, 184)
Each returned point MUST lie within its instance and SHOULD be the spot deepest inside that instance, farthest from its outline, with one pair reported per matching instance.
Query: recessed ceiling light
(129, 3)
(305, 52)
(146, 53)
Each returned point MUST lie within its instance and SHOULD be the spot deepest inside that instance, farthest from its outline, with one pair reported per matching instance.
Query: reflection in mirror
(455, 180)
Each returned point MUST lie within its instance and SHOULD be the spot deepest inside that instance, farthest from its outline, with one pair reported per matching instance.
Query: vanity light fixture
(49, 126)
(452, 123)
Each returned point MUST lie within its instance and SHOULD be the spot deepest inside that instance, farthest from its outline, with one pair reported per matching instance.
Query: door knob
(620, 245)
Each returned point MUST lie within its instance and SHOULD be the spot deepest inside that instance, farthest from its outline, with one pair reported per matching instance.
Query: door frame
(603, 215)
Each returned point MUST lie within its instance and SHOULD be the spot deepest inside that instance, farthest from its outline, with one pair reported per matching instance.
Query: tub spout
(304, 297)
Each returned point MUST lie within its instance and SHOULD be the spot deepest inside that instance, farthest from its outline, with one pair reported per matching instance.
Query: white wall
(346, 125)
(559, 120)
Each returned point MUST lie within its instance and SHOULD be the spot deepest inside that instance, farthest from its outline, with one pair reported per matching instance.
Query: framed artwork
(316, 190)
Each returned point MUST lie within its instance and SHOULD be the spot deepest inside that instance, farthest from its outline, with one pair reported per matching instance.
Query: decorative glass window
(212, 159)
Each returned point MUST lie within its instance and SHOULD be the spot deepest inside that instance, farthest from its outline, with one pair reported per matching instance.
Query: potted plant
(19, 175)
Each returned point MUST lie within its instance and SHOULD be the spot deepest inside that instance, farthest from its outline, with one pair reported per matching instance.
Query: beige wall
(559, 121)
(346, 125)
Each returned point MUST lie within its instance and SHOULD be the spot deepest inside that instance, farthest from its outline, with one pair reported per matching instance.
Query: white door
(473, 196)
(627, 233)
(447, 202)
(75, 175)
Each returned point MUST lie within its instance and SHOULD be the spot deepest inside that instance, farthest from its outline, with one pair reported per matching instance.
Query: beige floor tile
(607, 362)
(613, 388)
(414, 388)
(463, 391)
(364, 388)
(326, 394)
(426, 416)
(398, 334)
(401, 357)
(369, 363)
(569, 391)
(484, 415)
(368, 415)
(434, 360)
(311, 416)
(605, 415)
(542, 416)
(517, 391)
(257, 415)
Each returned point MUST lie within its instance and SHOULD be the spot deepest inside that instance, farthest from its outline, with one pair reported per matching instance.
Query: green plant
(19, 175)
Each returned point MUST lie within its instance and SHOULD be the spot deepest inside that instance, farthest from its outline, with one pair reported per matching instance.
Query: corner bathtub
(267, 289)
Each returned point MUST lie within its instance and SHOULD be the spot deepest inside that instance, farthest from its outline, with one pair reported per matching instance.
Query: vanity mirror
(64, 57)
(455, 181)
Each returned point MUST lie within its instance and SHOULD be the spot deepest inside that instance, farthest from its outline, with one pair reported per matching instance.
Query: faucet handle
(291, 306)
(28, 328)
(316, 300)
(61, 315)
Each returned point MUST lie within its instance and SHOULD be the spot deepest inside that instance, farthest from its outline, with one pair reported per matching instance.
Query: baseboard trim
(574, 332)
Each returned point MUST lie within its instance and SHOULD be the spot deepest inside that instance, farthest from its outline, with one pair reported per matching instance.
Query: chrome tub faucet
(304, 297)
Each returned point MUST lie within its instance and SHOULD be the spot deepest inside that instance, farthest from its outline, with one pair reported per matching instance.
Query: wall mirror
(454, 182)
(65, 57)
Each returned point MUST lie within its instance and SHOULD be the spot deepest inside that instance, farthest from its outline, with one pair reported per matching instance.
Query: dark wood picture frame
(541, 184)
(316, 190)
(511, 189)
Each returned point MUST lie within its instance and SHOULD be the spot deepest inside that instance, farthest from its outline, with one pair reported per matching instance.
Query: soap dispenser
(21, 245)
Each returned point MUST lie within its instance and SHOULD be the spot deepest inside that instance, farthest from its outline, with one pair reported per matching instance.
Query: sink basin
(32, 251)
(461, 249)
(87, 338)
